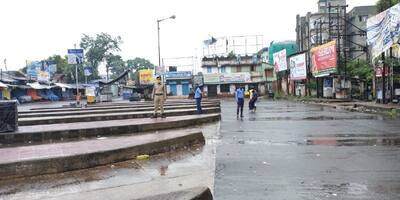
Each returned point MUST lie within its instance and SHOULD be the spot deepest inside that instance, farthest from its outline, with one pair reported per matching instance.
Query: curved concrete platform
(114, 106)
(108, 116)
(201, 193)
(71, 131)
(54, 158)
(107, 110)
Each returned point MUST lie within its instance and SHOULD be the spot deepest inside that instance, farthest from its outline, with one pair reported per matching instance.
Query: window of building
(223, 69)
(238, 69)
(270, 73)
(209, 69)
(363, 18)
(253, 68)
(225, 88)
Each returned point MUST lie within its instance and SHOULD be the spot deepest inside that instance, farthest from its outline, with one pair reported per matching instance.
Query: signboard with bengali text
(146, 77)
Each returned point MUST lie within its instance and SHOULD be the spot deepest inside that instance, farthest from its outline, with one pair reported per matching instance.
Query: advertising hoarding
(41, 70)
(298, 67)
(240, 77)
(146, 77)
(324, 59)
(280, 61)
(383, 30)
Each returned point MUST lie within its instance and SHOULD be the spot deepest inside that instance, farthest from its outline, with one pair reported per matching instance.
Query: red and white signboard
(280, 62)
(324, 59)
(297, 64)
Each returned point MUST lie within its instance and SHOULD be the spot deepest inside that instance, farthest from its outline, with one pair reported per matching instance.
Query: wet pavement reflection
(289, 150)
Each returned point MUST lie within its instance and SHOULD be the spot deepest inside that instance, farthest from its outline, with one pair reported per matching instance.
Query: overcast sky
(37, 29)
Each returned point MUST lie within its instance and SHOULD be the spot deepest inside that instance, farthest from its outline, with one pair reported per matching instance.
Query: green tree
(137, 64)
(385, 4)
(98, 48)
(361, 69)
(116, 65)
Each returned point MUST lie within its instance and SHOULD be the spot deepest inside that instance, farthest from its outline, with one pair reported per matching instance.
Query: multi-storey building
(222, 75)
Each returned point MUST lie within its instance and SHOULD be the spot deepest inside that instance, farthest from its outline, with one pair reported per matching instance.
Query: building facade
(358, 17)
(178, 83)
(222, 75)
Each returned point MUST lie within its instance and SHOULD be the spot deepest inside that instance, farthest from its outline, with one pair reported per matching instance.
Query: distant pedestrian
(253, 100)
(198, 95)
(159, 95)
(239, 96)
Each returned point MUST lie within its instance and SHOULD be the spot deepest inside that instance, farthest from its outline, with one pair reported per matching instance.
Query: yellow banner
(146, 77)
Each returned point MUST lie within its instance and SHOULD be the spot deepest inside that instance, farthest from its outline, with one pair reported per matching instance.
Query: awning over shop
(63, 85)
(38, 86)
(2, 85)
(19, 86)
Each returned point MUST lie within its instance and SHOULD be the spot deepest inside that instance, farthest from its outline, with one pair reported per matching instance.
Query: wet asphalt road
(291, 151)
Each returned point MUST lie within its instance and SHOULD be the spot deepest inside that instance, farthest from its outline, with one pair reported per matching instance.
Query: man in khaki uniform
(159, 96)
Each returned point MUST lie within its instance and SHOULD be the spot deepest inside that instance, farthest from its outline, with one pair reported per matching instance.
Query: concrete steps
(125, 104)
(54, 140)
(109, 110)
(70, 131)
(27, 121)
(60, 157)
(112, 107)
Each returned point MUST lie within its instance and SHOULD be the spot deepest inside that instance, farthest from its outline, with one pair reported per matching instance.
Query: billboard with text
(298, 69)
(280, 61)
(324, 59)
(383, 30)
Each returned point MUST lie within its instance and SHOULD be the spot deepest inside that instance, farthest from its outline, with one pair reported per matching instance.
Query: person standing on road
(159, 96)
(239, 96)
(198, 96)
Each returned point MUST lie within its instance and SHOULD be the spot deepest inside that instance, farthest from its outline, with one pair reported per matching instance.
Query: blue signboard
(179, 75)
(75, 56)
(87, 71)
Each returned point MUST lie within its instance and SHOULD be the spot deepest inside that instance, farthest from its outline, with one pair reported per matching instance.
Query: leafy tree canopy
(98, 48)
(385, 4)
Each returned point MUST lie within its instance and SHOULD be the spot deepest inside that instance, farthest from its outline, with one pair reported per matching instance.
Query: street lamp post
(158, 34)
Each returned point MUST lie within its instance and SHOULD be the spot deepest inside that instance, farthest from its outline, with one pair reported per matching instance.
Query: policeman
(239, 96)
(159, 96)
(198, 96)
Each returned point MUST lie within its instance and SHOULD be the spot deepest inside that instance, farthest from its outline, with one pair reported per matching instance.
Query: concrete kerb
(59, 132)
(113, 110)
(109, 116)
(110, 107)
(116, 105)
(75, 161)
(201, 193)
(356, 107)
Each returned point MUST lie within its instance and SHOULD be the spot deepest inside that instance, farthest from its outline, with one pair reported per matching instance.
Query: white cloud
(34, 30)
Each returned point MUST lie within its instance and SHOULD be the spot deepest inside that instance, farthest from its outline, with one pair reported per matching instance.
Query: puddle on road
(357, 141)
(345, 188)
(316, 118)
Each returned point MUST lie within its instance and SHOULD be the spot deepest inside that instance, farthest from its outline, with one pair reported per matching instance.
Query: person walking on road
(198, 96)
(253, 100)
(239, 96)
(159, 96)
